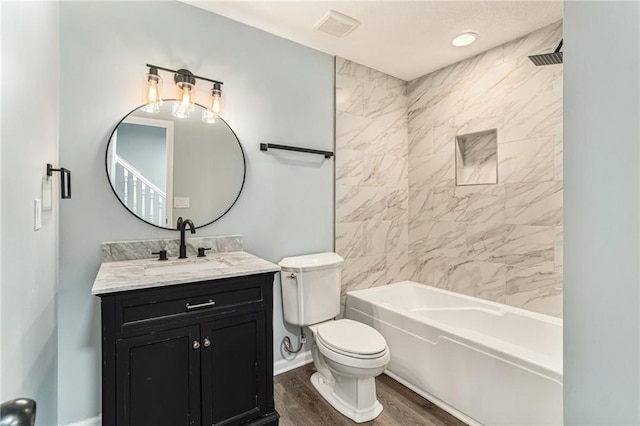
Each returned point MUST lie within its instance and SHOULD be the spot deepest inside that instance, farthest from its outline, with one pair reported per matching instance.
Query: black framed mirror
(161, 167)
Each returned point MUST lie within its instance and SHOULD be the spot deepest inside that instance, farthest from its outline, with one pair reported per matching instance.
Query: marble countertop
(138, 274)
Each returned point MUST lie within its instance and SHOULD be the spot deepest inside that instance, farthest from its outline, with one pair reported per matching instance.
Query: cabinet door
(158, 378)
(233, 370)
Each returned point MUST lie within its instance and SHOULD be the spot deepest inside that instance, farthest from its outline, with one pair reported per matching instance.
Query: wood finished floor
(299, 404)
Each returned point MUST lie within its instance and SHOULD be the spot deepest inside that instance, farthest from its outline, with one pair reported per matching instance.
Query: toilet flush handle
(293, 275)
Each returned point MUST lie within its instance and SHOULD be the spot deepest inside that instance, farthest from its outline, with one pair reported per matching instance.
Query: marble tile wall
(372, 169)
(501, 242)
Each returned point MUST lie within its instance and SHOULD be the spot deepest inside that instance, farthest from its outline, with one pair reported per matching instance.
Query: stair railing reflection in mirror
(139, 195)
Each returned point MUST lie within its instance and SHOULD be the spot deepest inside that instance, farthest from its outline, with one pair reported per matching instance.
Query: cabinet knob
(207, 342)
(196, 344)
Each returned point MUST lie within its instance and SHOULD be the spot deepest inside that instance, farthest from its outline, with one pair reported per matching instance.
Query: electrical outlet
(181, 202)
(37, 214)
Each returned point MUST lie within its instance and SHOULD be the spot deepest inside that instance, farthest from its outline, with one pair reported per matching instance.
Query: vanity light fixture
(153, 91)
(464, 39)
(185, 82)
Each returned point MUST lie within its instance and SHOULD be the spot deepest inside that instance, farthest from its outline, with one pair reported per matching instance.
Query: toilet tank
(311, 288)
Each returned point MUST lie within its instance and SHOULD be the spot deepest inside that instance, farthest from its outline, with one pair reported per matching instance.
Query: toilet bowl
(348, 356)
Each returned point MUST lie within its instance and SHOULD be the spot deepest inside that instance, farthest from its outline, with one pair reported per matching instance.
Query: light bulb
(209, 117)
(185, 104)
(216, 104)
(152, 93)
(185, 99)
(212, 113)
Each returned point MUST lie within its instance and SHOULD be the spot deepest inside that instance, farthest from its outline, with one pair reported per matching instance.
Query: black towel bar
(266, 146)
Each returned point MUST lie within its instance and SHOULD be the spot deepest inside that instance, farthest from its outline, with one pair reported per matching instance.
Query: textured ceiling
(403, 39)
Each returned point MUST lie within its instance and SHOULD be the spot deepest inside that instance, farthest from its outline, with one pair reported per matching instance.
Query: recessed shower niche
(477, 158)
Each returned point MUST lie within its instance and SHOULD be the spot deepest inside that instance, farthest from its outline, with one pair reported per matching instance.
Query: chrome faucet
(183, 246)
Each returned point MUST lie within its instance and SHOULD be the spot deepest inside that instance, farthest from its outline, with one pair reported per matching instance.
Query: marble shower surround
(501, 242)
(371, 176)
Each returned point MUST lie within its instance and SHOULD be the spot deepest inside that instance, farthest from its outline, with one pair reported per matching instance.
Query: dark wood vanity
(197, 353)
(186, 341)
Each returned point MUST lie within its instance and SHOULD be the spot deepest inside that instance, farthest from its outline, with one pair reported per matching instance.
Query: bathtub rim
(553, 371)
(496, 305)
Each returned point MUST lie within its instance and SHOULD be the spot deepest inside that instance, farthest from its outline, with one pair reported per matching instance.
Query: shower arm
(559, 46)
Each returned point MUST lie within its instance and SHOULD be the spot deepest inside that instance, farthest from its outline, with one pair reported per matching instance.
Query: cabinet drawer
(187, 300)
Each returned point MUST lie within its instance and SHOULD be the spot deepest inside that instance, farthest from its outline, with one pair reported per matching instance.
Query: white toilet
(347, 354)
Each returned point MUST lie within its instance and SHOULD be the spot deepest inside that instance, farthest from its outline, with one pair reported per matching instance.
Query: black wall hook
(65, 180)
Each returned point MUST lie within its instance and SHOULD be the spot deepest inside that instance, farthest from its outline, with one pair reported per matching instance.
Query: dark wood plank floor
(299, 404)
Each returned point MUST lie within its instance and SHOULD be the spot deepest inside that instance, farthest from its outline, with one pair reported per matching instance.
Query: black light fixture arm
(182, 72)
(65, 180)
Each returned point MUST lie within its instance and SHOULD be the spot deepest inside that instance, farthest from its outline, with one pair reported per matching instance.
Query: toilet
(347, 354)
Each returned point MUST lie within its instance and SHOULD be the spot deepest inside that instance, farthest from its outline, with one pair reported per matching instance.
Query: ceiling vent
(336, 24)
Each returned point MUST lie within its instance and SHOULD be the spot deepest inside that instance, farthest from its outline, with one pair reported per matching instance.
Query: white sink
(190, 267)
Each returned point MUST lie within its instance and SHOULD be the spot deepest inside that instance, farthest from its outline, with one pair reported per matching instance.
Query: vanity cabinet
(189, 354)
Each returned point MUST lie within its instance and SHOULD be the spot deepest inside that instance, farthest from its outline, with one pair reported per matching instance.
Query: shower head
(548, 58)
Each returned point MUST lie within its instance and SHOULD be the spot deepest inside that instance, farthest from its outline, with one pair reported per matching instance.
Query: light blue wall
(602, 214)
(29, 258)
(277, 91)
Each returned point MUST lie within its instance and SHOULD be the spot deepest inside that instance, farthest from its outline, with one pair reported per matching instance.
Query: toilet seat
(361, 364)
(351, 338)
(341, 341)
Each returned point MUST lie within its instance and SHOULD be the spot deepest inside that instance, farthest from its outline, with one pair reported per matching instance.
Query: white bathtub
(484, 362)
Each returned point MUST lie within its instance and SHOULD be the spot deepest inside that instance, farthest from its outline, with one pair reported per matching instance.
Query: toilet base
(358, 415)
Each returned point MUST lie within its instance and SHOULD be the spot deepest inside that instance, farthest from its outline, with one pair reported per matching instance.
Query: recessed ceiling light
(464, 39)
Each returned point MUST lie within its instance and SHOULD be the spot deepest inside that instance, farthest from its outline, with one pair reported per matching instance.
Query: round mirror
(163, 168)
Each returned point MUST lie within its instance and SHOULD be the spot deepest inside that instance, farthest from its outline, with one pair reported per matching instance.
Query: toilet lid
(351, 337)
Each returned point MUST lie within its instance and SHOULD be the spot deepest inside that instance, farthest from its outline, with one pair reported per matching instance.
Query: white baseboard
(94, 421)
(285, 365)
